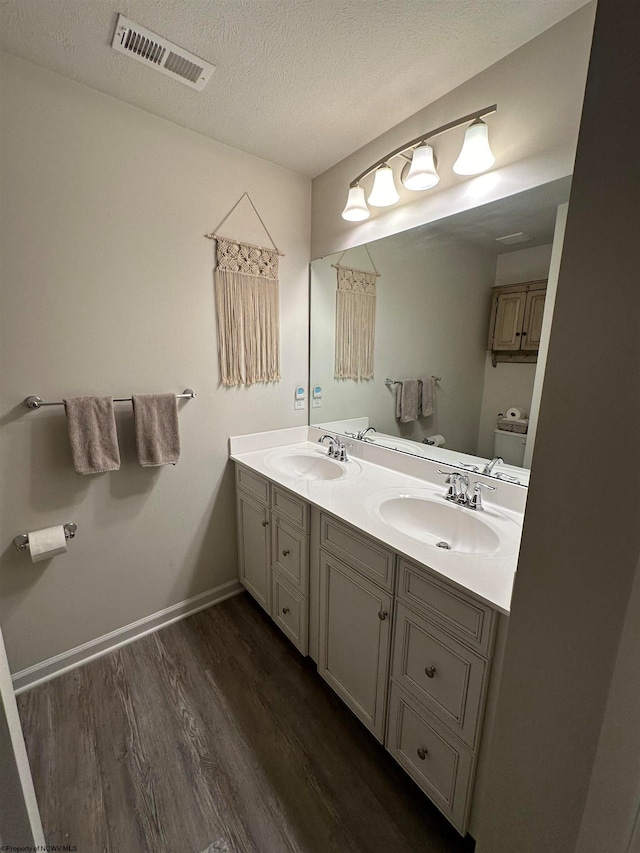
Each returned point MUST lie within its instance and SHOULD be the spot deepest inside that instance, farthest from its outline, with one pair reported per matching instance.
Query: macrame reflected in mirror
(247, 309)
(355, 321)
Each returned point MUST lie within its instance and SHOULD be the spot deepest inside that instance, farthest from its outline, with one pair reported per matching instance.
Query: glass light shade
(476, 155)
(356, 207)
(422, 173)
(384, 190)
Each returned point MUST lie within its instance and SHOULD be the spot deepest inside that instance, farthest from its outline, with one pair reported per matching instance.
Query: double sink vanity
(400, 595)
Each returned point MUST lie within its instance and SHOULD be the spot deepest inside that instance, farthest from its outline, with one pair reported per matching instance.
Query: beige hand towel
(92, 433)
(408, 400)
(428, 396)
(157, 429)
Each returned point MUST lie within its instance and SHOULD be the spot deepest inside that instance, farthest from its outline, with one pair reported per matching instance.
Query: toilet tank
(509, 445)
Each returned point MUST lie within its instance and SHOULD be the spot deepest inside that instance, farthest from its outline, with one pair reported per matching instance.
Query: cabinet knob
(264, 523)
(430, 671)
(285, 552)
(422, 753)
(285, 610)
(524, 334)
(382, 615)
(517, 334)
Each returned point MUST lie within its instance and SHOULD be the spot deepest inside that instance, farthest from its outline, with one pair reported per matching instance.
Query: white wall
(506, 384)
(538, 89)
(545, 335)
(581, 539)
(432, 310)
(612, 809)
(107, 288)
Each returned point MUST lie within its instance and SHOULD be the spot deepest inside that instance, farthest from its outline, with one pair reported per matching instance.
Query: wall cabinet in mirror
(516, 321)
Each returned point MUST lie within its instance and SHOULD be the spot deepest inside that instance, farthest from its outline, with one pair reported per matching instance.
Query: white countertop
(487, 576)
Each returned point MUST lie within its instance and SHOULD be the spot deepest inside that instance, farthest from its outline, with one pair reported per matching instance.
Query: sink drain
(444, 545)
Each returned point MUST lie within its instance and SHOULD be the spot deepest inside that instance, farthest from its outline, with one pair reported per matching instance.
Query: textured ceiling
(533, 211)
(301, 83)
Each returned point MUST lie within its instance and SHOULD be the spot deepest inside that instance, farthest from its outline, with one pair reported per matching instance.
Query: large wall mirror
(438, 289)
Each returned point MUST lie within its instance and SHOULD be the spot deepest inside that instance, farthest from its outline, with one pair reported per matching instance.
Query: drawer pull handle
(430, 671)
(264, 523)
(285, 610)
(286, 552)
(382, 615)
(422, 753)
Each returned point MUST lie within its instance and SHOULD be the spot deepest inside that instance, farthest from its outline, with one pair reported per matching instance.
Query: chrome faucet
(488, 468)
(363, 432)
(333, 443)
(458, 491)
(337, 450)
(462, 497)
(476, 500)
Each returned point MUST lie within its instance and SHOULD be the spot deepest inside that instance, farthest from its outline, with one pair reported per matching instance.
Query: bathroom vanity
(395, 593)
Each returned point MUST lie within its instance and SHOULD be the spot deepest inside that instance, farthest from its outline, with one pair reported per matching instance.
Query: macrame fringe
(355, 324)
(248, 311)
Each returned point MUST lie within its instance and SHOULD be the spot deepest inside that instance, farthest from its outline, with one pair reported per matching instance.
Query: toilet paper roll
(48, 542)
(435, 440)
(515, 413)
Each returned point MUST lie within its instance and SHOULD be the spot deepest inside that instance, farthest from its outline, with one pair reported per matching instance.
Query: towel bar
(389, 382)
(36, 402)
(21, 541)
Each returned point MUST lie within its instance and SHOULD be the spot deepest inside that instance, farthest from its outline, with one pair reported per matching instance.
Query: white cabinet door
(508, 325)
(355, 631)
(254, 549)
(533, 314)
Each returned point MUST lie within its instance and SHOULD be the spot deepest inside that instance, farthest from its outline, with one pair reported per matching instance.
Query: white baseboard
(52, 667)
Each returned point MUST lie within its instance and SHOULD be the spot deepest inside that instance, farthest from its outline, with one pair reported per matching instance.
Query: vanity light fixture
(356, 208)
(384, 190)
(476, 155)
(420, 172)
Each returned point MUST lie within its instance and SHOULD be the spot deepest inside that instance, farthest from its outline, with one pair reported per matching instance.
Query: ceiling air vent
(512, 239)
(156, 52)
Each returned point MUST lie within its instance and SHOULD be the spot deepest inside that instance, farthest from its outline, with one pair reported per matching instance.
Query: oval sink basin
(310, 465)
(429, 519)
(397, 444)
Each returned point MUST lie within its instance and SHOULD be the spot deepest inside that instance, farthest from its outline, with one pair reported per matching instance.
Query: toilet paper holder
(21, 541)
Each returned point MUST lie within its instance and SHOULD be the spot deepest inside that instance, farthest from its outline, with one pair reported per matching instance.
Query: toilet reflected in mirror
(510, 447)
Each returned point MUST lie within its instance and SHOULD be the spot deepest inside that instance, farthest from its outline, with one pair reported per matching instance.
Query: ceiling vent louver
(156, 52)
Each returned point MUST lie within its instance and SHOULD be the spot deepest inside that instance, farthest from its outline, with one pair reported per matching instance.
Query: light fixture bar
(423, 138)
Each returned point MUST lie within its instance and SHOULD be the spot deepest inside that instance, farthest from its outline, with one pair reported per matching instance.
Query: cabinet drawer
(439, 671)
(360, 552)
(290, 508)
(290, 554)
(459, 614)
(440, 766)
(252, 484)
(290, 611)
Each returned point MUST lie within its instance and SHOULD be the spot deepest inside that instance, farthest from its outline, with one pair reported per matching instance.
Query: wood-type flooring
(216, 729)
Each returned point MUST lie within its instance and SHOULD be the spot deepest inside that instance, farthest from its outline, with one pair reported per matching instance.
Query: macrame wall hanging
(355, 321)
(247, 308)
